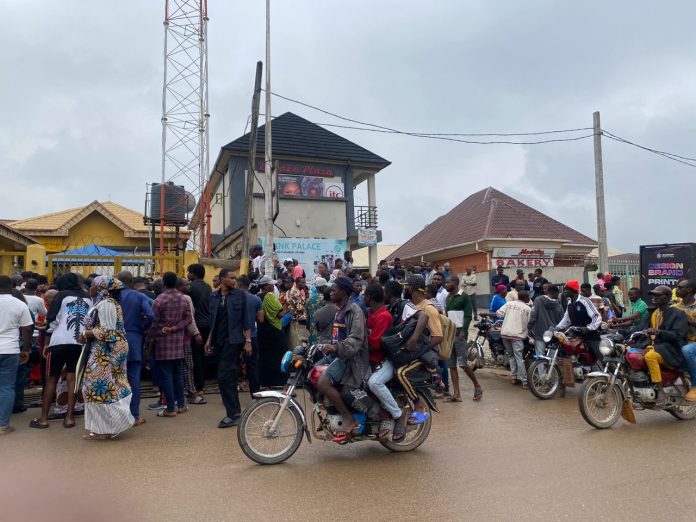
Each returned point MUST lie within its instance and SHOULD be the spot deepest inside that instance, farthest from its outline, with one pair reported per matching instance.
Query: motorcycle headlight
(285, 362)
(548, 335)
(606, 346)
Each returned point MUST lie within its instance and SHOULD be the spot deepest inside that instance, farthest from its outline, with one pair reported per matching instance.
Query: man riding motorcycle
(582, 314)
(351, 365)
(667, 327)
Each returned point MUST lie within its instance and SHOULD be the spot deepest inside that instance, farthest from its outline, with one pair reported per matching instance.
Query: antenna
(185, 151)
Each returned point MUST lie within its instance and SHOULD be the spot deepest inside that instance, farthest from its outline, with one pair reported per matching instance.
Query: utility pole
(268, 170)
(251, 168)
(599, 187)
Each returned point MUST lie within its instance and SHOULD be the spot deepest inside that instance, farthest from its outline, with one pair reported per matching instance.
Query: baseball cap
(607, 278)
(416, 282)
(500, 288)
(573, 284)
(661, 289)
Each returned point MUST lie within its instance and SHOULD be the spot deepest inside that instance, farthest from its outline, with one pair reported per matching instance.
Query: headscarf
(105, 285)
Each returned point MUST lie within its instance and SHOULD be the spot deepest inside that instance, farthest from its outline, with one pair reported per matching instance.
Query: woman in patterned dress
(106, 389)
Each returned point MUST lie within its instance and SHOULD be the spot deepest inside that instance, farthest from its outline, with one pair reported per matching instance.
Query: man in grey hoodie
(546, 313)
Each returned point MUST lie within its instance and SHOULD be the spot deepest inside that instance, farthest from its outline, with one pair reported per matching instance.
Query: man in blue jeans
(14, 319)
(172, 316)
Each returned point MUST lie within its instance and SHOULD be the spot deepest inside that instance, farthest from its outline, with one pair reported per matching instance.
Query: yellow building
(100, 223)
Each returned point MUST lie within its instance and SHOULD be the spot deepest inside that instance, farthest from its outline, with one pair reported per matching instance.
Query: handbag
(394, 343)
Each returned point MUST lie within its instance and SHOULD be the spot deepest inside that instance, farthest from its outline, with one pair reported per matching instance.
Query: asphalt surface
(509, 457)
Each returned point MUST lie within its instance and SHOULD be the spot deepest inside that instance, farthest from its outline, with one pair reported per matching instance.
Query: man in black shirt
(500, 278)
(230, 333)
(539, 282)
(200, 296)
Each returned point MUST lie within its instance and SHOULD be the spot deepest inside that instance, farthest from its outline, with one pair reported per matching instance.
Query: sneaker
(691, 396)
(6, 430)
(155, 406)
(524, 386)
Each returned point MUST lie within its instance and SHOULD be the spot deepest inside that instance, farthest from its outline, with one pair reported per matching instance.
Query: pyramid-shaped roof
(488, 214)
(296, 137)
(58, 223)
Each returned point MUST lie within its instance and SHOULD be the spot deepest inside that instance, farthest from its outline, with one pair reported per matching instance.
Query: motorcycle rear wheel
(472, 356)
(541, 388)
(254, 437)
(414, 438)
(599, 406)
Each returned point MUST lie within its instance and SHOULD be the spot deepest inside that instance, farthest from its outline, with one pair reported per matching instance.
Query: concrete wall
(316, 218)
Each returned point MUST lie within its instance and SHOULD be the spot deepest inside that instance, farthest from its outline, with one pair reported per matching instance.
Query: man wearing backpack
(458, 307)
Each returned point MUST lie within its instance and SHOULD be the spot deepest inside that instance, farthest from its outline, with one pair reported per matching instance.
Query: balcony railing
(365, 217)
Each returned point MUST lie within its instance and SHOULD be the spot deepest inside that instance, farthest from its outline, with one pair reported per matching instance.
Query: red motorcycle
(545, 375)
(624, 385)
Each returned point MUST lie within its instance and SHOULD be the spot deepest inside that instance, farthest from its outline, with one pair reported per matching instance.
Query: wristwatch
(247, 340)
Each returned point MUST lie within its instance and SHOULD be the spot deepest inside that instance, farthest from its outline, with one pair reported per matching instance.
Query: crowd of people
(89, 342)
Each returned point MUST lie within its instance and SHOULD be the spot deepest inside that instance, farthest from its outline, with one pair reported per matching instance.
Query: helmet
(317, 372)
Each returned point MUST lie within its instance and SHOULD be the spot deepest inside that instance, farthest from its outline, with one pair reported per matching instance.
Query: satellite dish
(190, 202)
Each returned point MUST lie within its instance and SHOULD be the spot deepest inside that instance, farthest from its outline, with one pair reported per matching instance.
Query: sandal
(342, 436)
(453, 399)
(67, 424)
(182, 410)
(417, 417)
(166, 413)
(94, 436)
(399, 432)
(386, 427)
(199, 400)
(36, 424)
(478, 393)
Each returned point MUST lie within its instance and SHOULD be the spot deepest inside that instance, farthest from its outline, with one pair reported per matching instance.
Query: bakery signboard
(522, 257)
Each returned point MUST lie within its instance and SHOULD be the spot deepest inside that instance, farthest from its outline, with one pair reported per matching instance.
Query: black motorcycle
(273, 424)
(490, 331)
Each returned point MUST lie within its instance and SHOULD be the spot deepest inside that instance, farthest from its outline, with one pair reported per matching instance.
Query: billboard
(665, 265)
(309, 251)
(522, 257)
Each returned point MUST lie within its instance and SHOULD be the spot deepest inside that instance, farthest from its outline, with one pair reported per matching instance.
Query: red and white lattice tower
(185, 158)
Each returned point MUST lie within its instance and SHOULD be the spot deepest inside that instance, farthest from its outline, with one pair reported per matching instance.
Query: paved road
(510, 457)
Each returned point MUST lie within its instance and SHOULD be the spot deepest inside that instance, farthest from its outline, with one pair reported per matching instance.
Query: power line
(446, 138)
(382, 127)
(674, 157)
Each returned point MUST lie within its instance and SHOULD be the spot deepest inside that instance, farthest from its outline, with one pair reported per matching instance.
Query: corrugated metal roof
(488, 214)
(294, 136)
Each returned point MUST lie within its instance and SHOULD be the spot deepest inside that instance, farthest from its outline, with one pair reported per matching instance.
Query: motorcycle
(545, 376)
(272, 425)
(624, 385)
(490, 331)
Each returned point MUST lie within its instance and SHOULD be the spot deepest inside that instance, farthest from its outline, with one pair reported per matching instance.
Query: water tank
(177, 203)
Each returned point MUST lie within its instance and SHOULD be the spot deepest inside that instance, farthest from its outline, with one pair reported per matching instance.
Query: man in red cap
(582, 314)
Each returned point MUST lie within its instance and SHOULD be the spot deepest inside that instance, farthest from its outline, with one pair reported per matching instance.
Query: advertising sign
(367, 236)
(665, 265)
(522, 257)
(300, 186)
(310, 252)
(333, 189)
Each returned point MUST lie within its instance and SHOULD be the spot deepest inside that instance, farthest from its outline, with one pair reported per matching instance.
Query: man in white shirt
(441, 296)
(515, 329)
(469, 284)
(14, 318)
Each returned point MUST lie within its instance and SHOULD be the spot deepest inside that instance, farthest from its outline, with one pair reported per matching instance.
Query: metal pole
(164, 139)
(268, 171)
(599, 187)
(251, 168)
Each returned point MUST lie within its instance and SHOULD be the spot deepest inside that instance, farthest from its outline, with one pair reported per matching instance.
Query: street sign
(367, 236)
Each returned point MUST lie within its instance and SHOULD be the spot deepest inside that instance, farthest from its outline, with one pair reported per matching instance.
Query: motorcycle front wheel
(599, 404)
(541, 387)
(259, 442)
(414, 437)
(686, 411)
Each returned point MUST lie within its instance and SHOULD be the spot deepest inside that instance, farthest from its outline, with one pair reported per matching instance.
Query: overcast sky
(80, 100)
